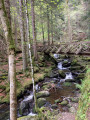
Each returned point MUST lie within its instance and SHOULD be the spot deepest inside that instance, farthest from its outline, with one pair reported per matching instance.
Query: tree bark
(48, 26)
(6, 23)
(52, 26)
(34, 30)
(22, 35)
(69, 23)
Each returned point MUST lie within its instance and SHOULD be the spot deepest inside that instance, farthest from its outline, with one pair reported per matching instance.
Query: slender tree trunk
(15, 27)
(43, 34)
(52, 27)
(22, 35)
(48, 26)
(30, 55)
(34, 30)
(69, 23)
(41, 18)
(6, 22)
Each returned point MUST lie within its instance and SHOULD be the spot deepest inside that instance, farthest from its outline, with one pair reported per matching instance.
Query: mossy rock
(69, 80)
(80, 76)
(36, 69)
(28, 118)
(76, 68)
(66, 64)
(57, 101)
(74, 99)
(46, 87)
(62, 73)
(41, 102)
(65, 102)
(74, 62)
(43, 94)
(54, 106)
(67, 84)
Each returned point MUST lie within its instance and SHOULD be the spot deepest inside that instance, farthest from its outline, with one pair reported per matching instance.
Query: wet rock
(65, 102)
(72, 109)
(76, 68)
(25, 104)
(57, 101)
(67, 84)
(53, 75)
(62, 73)
(54, 106)
(66, 64)
(80, 76)
(41, 102)
(43, 94)
(70, 80)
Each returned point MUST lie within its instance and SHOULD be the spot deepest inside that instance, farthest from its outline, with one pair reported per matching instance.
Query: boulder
(66, 64)
(41, 102)
(65, 102)
(70, 80)
(42, 94)
(57, 101)
(54, 106)
(72, 109)
(25, 104)
(62, 74)
(74, 99)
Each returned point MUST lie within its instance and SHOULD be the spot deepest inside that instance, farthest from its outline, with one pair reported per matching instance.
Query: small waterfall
(68, 75)
(56, 56)
(29, 98)
(37, 87)
(60, 66)
(31, 114)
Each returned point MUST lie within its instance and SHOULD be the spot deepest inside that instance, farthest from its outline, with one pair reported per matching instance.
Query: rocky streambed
(57, 92)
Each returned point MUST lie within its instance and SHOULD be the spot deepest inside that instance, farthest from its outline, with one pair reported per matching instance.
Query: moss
(2, 87)
(67, 84)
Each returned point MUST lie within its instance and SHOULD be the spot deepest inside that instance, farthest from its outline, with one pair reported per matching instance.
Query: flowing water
(60, 92)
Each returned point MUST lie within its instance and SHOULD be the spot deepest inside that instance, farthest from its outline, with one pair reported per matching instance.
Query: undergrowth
(84, 101)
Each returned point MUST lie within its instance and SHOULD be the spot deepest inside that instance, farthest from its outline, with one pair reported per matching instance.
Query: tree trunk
(15, 27)
(6, 23)
(69, 23)
(34, 30)
(52, 27)
(48, 26)
(22, 35)
(30, 55)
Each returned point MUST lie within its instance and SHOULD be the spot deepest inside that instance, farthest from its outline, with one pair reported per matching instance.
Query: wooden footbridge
(67, 48)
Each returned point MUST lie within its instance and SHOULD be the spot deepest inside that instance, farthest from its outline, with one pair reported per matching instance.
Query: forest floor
(24, 80)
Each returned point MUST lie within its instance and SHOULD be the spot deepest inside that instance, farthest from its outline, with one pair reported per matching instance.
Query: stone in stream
(62, 73)
(41, 102)
(25, 104)
(70, 80)
(54, 106)
(42, 94)
(66, 64)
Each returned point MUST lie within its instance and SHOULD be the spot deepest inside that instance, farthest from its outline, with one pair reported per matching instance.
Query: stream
(58, 88)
